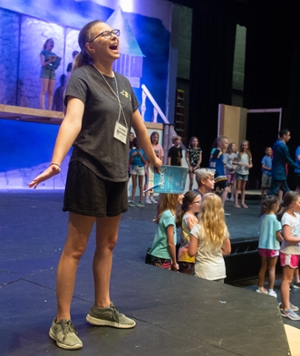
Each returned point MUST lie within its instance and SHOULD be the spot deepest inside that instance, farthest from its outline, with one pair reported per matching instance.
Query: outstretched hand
(51, 171)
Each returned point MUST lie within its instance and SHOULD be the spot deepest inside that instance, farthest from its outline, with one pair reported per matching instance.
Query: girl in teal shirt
(268, 246)
(163, 250)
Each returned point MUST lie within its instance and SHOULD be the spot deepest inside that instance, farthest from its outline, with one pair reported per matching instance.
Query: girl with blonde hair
(243, 164)
(229, 158)
(209, 240)
(163, 250)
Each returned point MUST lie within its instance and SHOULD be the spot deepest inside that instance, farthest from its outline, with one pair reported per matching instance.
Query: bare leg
(271, 269)
(243, 193)
(191, 180)
(79, 229)
(106, 237)
(296, 275)
(232, 190)
(224, 195)
(236, 196)
(262, 271)
(287, 278)
(229, 188)
(133, 176)
(141, 179)
(44, 87)
(51, 86)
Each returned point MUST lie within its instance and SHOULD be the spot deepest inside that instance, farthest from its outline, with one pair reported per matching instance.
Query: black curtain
(272, 73)
(212, 54)
(269, 43)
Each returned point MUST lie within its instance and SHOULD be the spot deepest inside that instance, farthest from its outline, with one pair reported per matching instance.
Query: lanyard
(116, 94)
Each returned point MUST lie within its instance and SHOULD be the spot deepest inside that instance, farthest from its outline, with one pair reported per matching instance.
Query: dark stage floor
(176, 314)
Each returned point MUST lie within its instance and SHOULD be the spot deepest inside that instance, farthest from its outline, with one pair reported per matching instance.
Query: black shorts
(88, 194)
(222, 184)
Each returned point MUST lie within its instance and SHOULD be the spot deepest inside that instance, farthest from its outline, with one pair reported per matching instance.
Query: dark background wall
(272, 69)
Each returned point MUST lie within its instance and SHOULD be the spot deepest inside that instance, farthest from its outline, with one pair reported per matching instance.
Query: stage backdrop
(26, 25)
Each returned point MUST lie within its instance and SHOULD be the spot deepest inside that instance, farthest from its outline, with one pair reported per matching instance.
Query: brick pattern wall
(20, 46)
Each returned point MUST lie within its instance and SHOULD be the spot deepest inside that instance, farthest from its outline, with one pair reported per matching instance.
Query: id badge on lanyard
(120, 132)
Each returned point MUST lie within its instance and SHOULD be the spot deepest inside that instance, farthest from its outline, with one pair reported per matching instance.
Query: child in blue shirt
(163, 250)
(268, 246)
(137, 161)
(216, 162)
(266, 168)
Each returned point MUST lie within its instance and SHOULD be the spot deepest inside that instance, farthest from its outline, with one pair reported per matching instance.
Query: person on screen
(49, 64)
(58, 101)
(70, 65)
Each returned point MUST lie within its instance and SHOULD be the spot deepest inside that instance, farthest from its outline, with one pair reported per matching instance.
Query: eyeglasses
(107, 34)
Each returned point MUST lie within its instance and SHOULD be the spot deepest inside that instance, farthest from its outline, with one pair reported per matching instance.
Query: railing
(156, 109)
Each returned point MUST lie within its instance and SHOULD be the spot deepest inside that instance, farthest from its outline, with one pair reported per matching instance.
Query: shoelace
(67, 326)
(115, 313)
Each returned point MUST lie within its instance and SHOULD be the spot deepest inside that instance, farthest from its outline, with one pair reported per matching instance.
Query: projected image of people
(49, 63)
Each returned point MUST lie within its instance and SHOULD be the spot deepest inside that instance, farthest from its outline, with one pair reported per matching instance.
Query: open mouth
(114, 47)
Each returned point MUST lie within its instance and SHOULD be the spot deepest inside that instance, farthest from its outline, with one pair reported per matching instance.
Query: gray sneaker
(109, 316)
(290, 314)
(131, 203)
(64, 334)
(140, 204)
(292, 306)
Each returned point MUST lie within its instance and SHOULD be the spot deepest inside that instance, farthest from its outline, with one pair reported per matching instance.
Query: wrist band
(54, 164)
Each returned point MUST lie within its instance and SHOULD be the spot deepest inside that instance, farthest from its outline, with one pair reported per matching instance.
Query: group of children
(205, 237)
(138, 168)
(138, 163)
(231, 167)
(280, 224)
(200, 214)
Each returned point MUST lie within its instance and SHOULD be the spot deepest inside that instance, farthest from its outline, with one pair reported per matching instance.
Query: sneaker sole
(95, 321)
(289, 317)
(64, 346)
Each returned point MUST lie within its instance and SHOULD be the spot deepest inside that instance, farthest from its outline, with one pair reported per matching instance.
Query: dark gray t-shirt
(95, 146)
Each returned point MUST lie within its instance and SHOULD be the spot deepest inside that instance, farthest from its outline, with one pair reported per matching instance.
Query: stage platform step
(253, 194)
(176, 314)
(293, 336)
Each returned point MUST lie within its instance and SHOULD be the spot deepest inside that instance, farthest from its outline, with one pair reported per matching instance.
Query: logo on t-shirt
(126, 94)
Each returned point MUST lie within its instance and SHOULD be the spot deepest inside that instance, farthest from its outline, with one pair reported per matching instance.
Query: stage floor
(176, 314)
